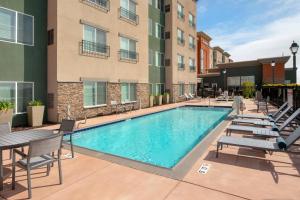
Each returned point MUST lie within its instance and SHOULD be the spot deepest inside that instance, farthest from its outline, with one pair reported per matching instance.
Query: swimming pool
(161, 139)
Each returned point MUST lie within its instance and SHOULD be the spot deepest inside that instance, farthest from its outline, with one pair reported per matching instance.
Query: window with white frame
(128, 49)
(128, 92)
(180, 36)
(150, 31)
(16, 27)
(94, 93)
(159, 31)
(180, 61)
(247, 79)
(201, 61)
(192, 44)
(192, 88)
(159, 59)
(101, 3)
(181, 89)
(18, 93)
(192, 64)
(159, 4)
(180, 11)
(192, 21)
(94, 40)
(128, 10)
(234, 81)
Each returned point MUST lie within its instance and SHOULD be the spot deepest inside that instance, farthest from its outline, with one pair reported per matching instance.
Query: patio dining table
(16, 140)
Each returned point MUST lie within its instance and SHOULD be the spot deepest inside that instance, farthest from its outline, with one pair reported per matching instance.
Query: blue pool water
(160, 139)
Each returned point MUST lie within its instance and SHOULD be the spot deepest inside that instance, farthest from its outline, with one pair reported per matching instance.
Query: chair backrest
(67, 125)
(280, 109)
(5, 128)
(293, 137)
(283, 113)
(290, 119)
(45, 145)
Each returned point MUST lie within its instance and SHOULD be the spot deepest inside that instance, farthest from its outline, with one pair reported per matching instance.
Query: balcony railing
(131, 56)
(181, 66)
(127, 14)
(192, 68)
(192, 46)
(181, 15)
(192, 24)
(94, 49)
(102, 4)
(180, 41)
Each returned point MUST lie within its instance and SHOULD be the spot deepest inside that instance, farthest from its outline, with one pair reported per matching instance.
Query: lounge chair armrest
(19, 152)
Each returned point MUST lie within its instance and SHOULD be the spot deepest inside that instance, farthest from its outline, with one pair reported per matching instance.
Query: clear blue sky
(251, 29)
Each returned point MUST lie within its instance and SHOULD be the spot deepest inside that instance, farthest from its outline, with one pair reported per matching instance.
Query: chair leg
(29, 182)
(217, 153)
(52, 164)
(13, 185)
(10, 154)
(48, 169)
(59, 168)
(71, 143)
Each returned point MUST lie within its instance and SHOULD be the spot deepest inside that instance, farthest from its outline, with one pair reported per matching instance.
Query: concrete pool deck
(238, 173)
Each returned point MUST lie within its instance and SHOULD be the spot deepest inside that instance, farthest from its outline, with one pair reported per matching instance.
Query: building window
(192, 64)
(180, 11)
(150, 26)
(16, 27)
(181, 89)
(128, 49)
(159, 4)
(159, 31)
(180, 36)
(201, 61)
(159, 59)
(128, 10)
(151, 57)
(100, 3)
(192, 42)
(192, 88)
(234, 81)
(94, 93)
(94, 40)
(157, 89)
(192, 21)
(180, 60)
(128, 92)
(18, 93)
(150, 2)
(247, 79)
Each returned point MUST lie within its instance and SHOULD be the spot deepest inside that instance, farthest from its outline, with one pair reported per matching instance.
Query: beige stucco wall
(219, 56)
(174, 76)
(71, 66)
(66, 64)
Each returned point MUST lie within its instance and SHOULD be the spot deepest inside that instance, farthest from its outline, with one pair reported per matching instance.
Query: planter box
(166, 99)
(35, 115)
(151, 99)
(6, 116)
(159, 100)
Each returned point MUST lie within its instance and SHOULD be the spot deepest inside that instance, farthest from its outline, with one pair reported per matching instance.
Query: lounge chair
(186, 96)
(264, 117)
(265, 132)
(260, 122)
(39, 154)
(279, 145)
(191, 96)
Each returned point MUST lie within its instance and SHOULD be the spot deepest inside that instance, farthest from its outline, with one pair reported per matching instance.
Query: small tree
(248, 89)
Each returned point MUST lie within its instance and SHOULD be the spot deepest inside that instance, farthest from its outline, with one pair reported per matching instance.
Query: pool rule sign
(290, 96)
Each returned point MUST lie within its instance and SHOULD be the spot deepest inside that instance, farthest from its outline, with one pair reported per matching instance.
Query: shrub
(35, 103)
(248, 89)
(5, 105)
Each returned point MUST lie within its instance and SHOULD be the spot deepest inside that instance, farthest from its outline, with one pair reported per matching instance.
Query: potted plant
(159, 100)
(35, 113)
(166, 98)
(151, 99)
(6, 112)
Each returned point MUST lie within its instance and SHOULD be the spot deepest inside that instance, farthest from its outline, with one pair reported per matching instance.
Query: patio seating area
(238, 173)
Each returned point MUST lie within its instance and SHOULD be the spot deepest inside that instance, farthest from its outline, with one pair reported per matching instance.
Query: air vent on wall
(167, 8)
(167, 35)
(167, 62)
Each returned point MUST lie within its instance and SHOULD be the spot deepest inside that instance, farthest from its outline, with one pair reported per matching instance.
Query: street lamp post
(224, 72)
(273, 64)
(294, 49)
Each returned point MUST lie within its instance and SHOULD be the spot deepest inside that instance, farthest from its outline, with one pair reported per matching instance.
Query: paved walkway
(237, 174)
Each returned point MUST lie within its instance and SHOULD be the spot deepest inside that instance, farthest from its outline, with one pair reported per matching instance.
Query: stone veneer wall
(71, 93)
(174, 96)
